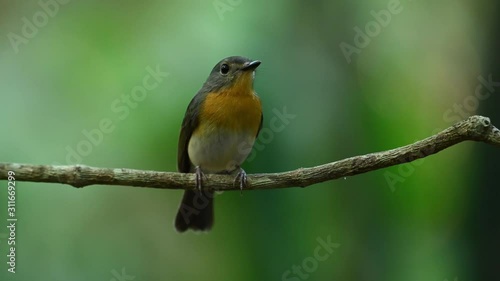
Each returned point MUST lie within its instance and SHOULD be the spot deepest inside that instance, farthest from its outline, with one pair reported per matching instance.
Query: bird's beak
(251, 65)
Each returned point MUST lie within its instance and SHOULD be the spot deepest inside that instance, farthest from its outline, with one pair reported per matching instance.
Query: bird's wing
(260, 126)
(189, 124)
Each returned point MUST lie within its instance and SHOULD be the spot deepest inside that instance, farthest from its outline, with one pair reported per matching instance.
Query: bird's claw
(199, 177)
(242, 176)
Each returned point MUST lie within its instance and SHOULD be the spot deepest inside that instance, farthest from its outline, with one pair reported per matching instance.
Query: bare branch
(475, 128)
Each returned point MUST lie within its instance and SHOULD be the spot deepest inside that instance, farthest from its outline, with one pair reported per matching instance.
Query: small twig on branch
(475, 128)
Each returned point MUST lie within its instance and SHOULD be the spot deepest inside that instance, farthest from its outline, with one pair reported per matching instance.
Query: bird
(218, 131)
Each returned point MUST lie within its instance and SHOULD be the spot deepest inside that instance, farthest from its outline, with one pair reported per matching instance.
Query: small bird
(219, 129)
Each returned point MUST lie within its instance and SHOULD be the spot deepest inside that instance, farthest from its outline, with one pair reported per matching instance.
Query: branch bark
(475, 128)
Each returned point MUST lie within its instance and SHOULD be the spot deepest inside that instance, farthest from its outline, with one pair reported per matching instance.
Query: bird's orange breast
(231, 109)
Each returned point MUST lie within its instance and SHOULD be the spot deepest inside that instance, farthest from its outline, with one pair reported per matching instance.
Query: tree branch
(475, 128)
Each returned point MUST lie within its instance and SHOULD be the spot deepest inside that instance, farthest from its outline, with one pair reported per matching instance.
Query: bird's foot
(199, 177)
(242, 177)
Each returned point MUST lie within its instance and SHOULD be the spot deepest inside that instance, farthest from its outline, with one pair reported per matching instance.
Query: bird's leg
(199, 177)
(242, 176)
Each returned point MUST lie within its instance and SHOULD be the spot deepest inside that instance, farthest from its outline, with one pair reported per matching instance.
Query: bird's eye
(224, 69)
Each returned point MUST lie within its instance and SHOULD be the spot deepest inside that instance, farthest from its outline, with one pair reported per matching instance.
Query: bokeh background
(413, 75)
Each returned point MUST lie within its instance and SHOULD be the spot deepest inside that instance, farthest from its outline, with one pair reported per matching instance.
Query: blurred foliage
(402, 86)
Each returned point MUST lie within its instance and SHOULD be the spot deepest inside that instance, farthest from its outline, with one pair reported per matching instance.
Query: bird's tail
(196, 211)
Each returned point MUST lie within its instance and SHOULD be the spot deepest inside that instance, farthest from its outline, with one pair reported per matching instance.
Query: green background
(416, 75)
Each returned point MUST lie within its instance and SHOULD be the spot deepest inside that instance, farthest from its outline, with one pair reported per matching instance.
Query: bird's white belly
(223, 151)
